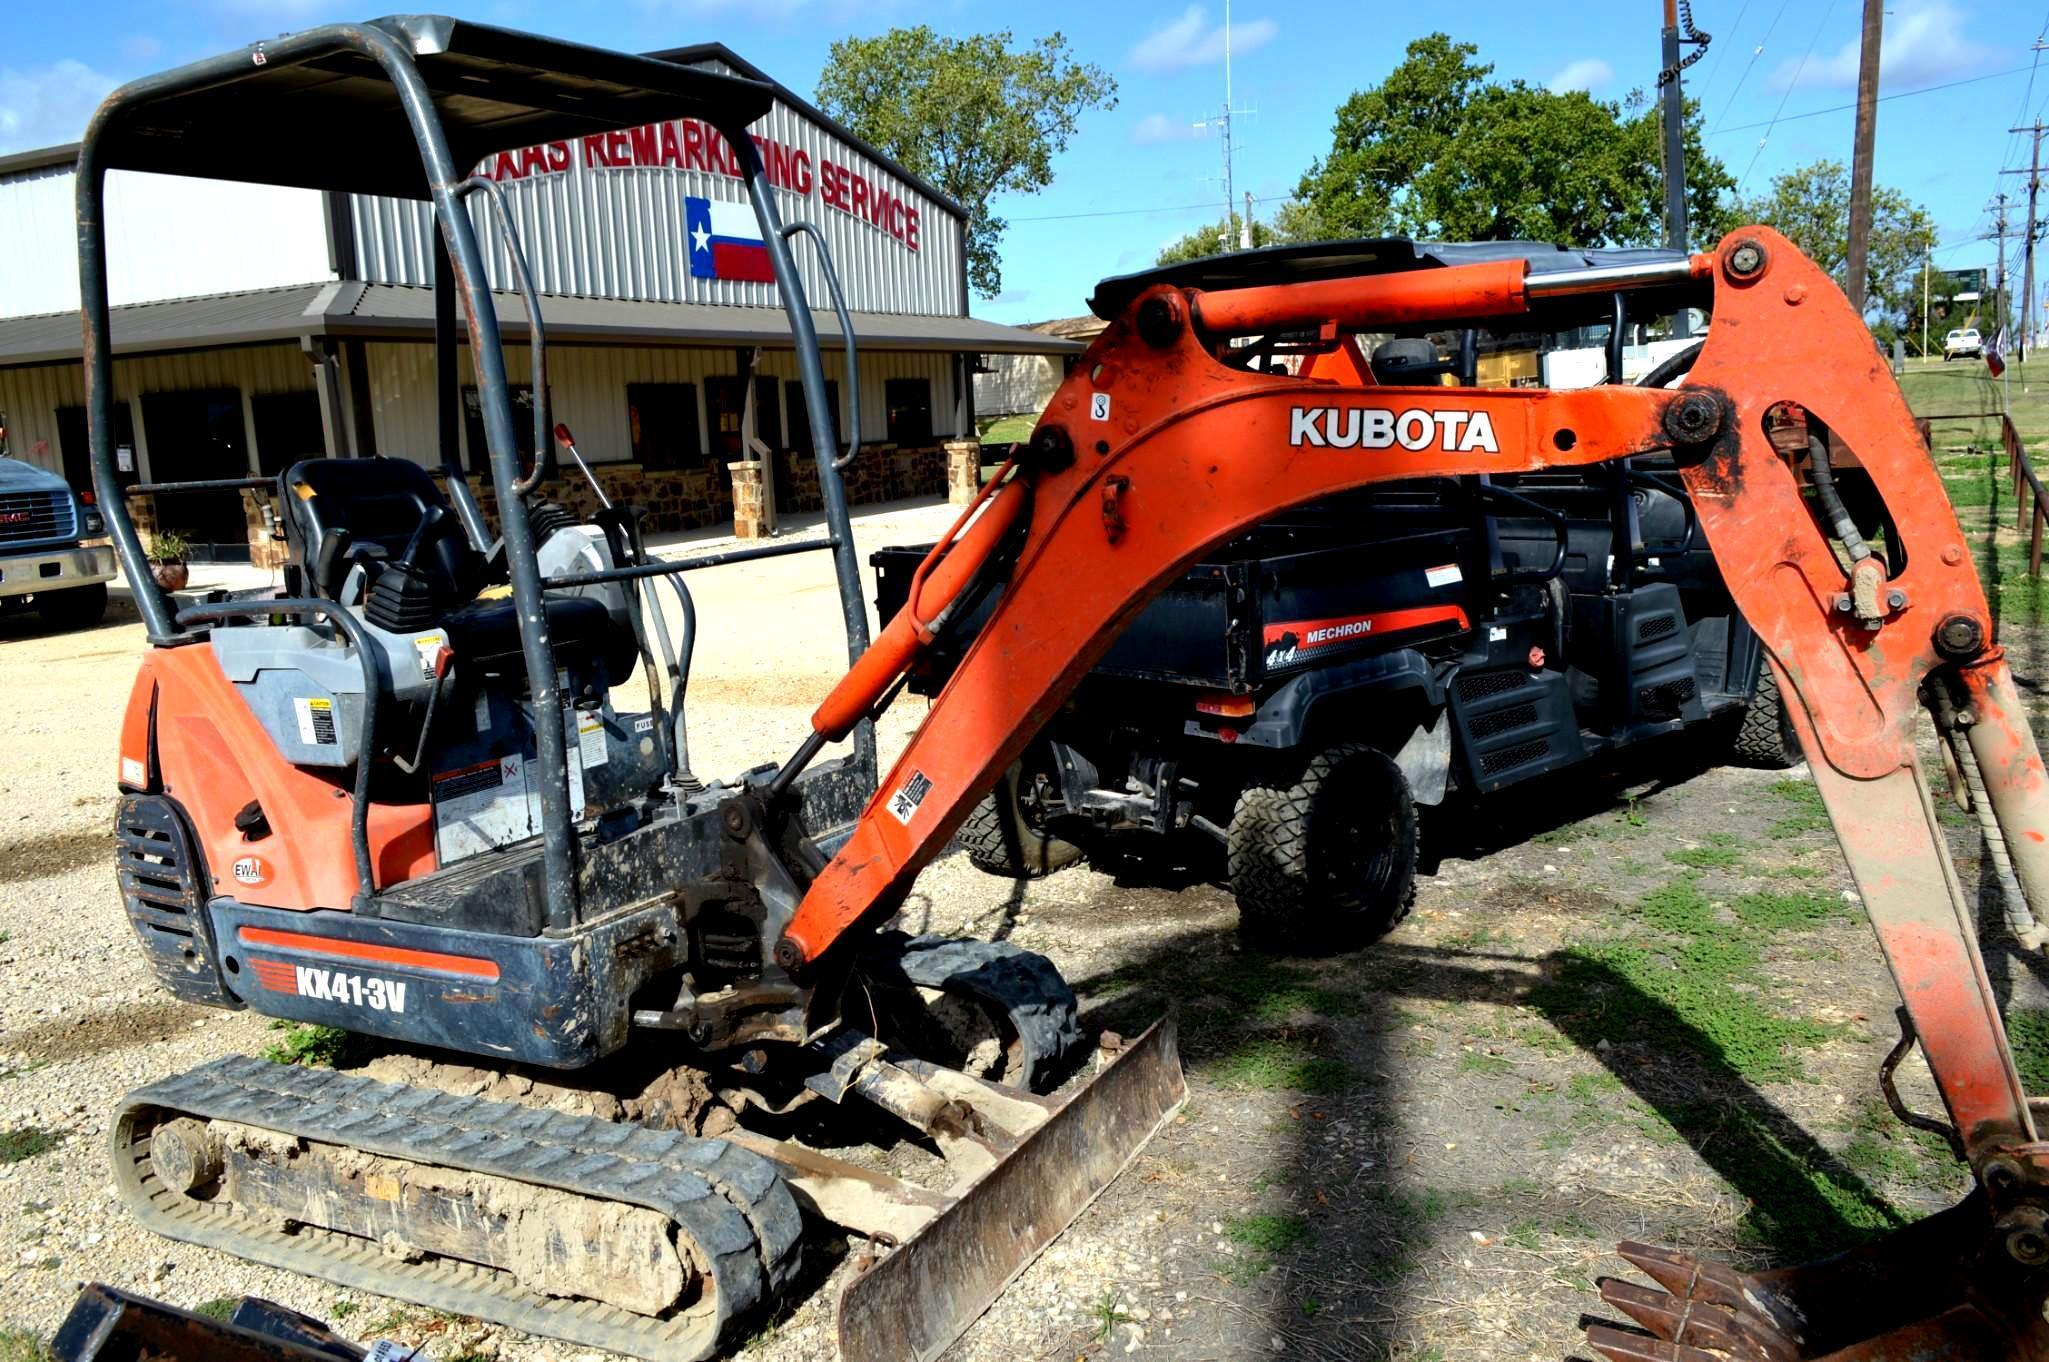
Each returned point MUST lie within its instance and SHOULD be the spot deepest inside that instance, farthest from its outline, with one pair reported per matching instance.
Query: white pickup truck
(1963, 343)
(44, 566)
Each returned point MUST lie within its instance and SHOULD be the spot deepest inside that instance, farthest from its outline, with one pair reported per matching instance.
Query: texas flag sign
(725, 241)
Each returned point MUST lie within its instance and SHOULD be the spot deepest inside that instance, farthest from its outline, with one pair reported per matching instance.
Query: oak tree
(975, 116)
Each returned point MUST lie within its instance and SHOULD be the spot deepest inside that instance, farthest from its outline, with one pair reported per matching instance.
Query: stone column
(266, 547)
(747, 500)
(963, 471)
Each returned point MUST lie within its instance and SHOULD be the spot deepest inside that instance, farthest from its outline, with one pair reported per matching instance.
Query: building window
(522, 426)
(288, 429)
(662, 420)
(909, 401)
(724, 397)
(199, 436)
(799, 418)
(76, 448)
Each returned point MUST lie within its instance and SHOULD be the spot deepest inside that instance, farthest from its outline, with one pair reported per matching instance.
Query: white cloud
(1155, 128)
(1924, 43)
(1588, 73)
(1192, 40)
(47, 105)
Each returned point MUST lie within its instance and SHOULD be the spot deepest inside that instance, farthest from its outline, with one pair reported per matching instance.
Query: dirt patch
(97, 1033)
(56, 853)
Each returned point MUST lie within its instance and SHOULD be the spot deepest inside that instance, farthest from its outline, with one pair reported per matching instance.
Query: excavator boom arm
(1154, 451)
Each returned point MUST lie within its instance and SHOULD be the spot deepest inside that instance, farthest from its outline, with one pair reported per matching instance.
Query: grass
(1707, 858)
(2027, 1031)
(1777, 912)
(1006, 429)
(1272, 1062)
(1267, 1234)
(219, 1308)
(19, 1345)
(319, 1047)
(26, 1143)
(1701, 989)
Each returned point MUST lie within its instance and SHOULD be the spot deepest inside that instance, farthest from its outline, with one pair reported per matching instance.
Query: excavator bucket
(916, 1301)
(1932, 1290)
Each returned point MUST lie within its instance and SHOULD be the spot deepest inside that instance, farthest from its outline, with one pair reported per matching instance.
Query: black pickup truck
(1295, 696)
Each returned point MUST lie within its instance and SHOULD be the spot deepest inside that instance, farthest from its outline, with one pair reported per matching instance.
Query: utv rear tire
(1765, 739)
(1001, 841)
(1327, 863)
(75, 607)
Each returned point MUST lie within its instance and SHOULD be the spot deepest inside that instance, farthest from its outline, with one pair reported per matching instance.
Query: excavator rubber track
(739, 1219)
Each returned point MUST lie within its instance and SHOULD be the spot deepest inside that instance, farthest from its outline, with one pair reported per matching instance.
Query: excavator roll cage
(404, 106)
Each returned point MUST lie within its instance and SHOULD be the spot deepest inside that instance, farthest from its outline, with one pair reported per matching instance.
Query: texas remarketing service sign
(686, 144)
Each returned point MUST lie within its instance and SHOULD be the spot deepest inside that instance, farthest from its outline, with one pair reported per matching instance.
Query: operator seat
(421, 570)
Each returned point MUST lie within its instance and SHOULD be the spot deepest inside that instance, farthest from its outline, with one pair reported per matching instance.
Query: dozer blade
(1944, 1288)
(925, 1294)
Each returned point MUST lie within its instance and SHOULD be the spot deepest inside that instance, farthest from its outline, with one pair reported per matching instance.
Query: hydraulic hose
(1832, 502)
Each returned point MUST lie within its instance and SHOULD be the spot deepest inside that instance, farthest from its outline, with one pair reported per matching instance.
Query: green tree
(1440, 150)
(1293, 221)
(1811, 206)
(971, 115)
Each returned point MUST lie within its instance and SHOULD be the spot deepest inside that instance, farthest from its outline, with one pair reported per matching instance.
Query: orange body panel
(1375, 302)
(213, 757)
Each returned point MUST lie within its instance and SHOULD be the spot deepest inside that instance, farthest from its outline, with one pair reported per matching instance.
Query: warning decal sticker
(316, 720)
(905, 801)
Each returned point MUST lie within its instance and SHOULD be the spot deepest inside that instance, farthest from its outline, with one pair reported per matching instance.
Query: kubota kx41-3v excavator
(400, 797)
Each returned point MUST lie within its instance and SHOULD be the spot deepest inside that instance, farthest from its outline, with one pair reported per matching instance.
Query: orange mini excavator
(406, 796)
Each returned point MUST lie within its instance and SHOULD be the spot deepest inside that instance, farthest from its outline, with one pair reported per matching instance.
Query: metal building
(255, 326)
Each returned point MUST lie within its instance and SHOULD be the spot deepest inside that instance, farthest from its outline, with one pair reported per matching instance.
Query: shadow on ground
(1354, 1227)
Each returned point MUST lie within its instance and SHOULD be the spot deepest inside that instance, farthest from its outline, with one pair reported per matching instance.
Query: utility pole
(1222, 123)
(1860, 161)
(1674, 117)
(1927, 267)
(1999, 291)
(1245, 227)
(2034, 174)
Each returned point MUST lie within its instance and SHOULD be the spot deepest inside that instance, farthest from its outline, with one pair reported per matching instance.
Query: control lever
(568, 443)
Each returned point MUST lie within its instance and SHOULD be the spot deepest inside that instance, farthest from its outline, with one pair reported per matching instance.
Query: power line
(1755, 53)
(1798, 71)
(1901, 94)
(1713, 65)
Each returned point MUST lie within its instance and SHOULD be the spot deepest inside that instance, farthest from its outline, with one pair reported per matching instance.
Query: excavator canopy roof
(335, 121)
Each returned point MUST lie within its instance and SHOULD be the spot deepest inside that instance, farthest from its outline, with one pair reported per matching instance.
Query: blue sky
(1141, 175)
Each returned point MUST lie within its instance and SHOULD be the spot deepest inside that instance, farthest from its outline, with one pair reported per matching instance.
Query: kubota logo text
(1454, 432)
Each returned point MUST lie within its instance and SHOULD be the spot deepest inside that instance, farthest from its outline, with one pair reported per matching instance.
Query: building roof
(393, 311)
(1077, 327)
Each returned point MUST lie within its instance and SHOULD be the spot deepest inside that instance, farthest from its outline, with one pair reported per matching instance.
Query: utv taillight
(1226, 706)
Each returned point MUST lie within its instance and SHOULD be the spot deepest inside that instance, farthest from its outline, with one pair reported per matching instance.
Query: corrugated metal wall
(167, 237)
(618, 233)
(588, 387)
(30, 397)
(1018, 383)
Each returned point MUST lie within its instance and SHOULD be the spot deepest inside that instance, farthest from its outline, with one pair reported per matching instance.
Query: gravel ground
(1420, 1152)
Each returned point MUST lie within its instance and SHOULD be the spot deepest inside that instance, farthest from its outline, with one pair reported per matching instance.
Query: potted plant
(167, 549)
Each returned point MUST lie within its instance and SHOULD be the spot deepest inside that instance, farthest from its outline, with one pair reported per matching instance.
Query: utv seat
(340, 513)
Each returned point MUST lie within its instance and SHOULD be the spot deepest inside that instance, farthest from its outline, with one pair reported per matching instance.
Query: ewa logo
(1454, 432)
(336, 986)
(252, 870)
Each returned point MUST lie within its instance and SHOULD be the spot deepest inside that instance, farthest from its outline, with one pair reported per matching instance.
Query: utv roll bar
(405, 106)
